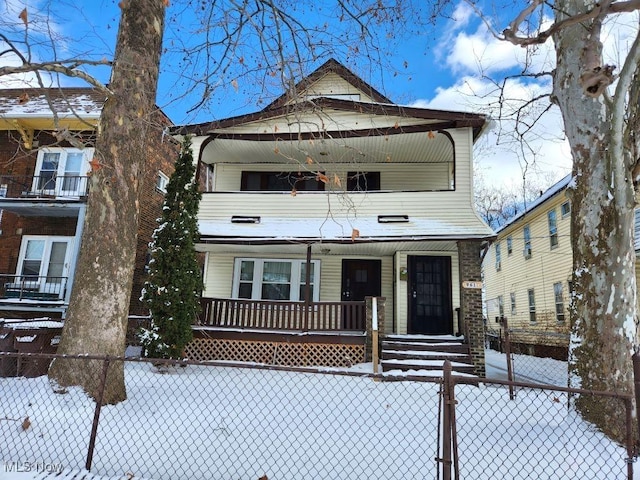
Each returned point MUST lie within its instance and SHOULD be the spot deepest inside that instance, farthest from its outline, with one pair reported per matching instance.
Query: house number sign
(474, 285)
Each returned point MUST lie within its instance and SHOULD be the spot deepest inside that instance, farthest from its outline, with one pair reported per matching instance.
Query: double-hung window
(498, 257)
(553, 228)
(275, 279)
(559, 301)
(532, 305)
(526, 233)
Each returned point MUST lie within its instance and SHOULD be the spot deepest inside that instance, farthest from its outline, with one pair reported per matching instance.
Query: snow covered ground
(545, 371)
(232, 423)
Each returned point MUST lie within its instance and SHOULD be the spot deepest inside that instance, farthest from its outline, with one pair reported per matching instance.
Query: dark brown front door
(360, 279)
(429, 290)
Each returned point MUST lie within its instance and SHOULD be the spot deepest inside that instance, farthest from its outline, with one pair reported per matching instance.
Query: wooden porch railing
(278, 315)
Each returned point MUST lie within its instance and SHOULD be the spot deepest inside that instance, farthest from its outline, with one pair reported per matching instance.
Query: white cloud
(499, 153)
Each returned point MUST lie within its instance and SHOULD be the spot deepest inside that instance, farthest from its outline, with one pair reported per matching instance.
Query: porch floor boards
(426, 353)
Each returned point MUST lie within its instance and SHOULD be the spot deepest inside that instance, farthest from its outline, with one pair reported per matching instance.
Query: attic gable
(331, 80)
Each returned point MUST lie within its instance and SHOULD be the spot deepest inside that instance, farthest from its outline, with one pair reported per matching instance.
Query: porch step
(425, 353)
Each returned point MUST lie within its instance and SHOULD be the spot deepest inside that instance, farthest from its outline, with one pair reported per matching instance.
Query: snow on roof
(38, 102)
(328, 229)
(550, 192)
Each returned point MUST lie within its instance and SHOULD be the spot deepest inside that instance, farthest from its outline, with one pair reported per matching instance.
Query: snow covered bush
(172, 290)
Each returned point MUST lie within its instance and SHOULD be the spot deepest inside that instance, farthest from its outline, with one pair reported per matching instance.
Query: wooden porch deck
(280, 333)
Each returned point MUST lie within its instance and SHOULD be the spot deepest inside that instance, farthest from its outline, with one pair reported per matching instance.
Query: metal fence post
(507, 351)
(96, 413)
(628, 403)
(446, 422)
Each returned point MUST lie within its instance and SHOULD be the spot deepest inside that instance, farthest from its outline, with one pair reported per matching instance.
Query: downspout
(76, 255)
(307, 290)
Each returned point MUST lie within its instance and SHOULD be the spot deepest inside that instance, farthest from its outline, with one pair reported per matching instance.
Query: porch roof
(386, 228)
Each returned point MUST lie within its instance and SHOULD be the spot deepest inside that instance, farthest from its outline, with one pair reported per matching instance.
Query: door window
(62, 171)
(44, 264)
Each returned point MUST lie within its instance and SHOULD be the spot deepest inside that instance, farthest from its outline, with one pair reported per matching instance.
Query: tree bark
(603, 307)
(96, 321)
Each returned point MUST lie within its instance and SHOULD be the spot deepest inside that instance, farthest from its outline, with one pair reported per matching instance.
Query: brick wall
(471, 301)
(162, 153)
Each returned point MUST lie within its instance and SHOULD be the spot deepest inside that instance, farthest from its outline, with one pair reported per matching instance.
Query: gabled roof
(327, 104)
(551, 192)
(331, 66)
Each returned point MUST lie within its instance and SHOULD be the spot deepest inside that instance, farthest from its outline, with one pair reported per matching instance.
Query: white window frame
(565, 209)
(87, 154)
(296, 281)
(498, 257)
(512, 297)
(41, 283)
(162, 181)
(552, 221)
(558, 298)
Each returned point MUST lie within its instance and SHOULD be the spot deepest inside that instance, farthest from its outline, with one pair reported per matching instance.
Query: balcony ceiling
(39, 208)
(418, 147)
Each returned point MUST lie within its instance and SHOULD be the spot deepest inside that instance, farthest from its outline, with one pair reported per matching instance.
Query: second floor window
(498, 257)
(509, 245)
(280, 181)
(363, 181)
(565, 209)
(161, 182)
(500, 306)
(526, 233)
(62, 171)
(532, 305)
(553, 228)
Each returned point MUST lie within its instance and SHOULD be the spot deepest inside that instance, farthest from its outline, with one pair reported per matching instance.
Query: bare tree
(234, 42)
(601, 122)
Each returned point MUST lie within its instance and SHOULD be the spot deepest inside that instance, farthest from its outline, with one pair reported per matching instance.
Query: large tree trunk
(97, 317)
(603, 307)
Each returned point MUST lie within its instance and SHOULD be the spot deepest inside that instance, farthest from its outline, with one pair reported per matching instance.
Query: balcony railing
(279, 315)
(43, 186)
(28, 287)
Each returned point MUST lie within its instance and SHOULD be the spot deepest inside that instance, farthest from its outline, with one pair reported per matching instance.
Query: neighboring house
(329, 196)
(43, 192)
(527, 273)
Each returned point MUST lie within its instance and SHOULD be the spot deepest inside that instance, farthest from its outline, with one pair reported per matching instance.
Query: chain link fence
(187, 420)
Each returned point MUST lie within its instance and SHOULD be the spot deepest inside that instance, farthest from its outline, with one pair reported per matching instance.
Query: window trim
(498, 250)
(560, 315)
(296, 269)
(162, 186)
(509, 245)
(565, 212)
(526, 234)
(64, 152)
(552, 222)
(512, 298)
(532, 305)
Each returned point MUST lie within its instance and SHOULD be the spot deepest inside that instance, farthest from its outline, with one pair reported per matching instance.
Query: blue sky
(450, 66)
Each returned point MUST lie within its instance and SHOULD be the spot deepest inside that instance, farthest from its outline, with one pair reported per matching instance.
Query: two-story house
(43, 192)
(527, 271)
(329, 196)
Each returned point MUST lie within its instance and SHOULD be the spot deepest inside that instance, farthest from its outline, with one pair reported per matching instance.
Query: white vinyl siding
(218, 278)
(546, 267)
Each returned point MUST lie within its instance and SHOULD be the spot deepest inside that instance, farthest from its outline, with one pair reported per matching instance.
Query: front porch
(332, 334)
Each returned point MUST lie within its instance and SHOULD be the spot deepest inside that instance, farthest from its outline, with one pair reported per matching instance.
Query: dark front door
(360, 278)
(429, 290)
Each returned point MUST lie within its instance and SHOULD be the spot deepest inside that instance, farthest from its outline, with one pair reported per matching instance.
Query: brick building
(43, 189)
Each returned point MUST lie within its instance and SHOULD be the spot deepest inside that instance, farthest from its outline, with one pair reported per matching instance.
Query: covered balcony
(49, 195)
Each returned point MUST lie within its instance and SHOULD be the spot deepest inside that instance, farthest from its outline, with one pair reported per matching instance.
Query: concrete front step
(426, 365)
(426, 355)
(425, 352)
(427, 347)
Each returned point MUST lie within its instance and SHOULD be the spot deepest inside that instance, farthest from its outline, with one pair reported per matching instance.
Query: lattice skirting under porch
(276, 353)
